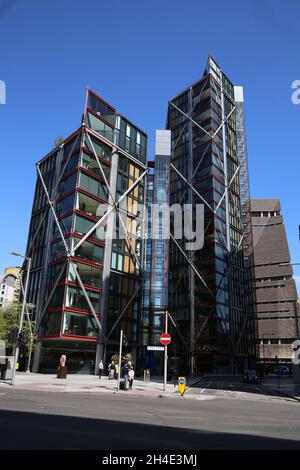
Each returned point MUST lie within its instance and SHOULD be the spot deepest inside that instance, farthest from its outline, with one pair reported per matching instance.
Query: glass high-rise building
(248, 241)
(85, 279)
(207, 286)
(156, 264)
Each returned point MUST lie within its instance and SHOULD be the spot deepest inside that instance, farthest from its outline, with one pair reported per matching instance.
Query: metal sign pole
(166, 353)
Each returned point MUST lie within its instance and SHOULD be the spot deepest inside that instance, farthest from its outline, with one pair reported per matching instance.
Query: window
(57, 251)
(100, 108)
(138, 139)
(50, 324)
(86, 204)
(89, 163)
(127, 141)
(89, 251)
(79, 325)
(83, 226)
(53, 273)
(131, 139)
(67, 185)
(65, 225)
(102, 150)
(57, 297)
(93, 186)
(73, 145)
(71, 164)
(90, 275)
(99, 126)
(65, 205)
(75, 298)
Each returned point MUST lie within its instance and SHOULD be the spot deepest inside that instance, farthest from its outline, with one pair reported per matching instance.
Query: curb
(135, 393)
(279, 392)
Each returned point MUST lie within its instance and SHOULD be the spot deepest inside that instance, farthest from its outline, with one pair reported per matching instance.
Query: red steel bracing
(113, 207)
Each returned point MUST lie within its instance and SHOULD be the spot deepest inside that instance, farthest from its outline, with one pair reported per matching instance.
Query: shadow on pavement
(34, 431)
(234, 384)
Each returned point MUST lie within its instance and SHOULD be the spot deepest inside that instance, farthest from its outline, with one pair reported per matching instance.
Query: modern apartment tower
(247, 238)
(276, 293)
(207, 286)
(155, 298)
(85, 240)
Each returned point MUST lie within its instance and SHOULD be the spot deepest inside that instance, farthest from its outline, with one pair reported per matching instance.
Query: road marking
(203, 390)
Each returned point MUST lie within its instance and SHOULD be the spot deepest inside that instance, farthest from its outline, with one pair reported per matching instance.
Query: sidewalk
(78, 383)
(87, 384)
(286, 385)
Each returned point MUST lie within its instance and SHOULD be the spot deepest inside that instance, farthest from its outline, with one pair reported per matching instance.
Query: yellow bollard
(181, 385)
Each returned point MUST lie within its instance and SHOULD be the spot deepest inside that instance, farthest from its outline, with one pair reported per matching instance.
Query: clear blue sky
(137, 55)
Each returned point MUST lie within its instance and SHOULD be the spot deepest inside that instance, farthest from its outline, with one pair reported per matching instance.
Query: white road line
(203, 389)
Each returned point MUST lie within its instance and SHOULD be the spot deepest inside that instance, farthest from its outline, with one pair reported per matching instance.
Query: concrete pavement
(204, 388)
(47, 420)
(87, 384)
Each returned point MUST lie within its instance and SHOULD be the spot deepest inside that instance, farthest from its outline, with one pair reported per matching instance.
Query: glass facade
(156, 261)
(147, 300)
(93, 167)
(209, 308)
(248, 245)
(160, 258)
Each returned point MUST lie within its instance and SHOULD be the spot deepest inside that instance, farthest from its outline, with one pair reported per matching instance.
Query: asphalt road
(47, 420)
(221, 384)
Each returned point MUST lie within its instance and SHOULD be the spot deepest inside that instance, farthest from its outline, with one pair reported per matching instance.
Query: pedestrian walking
(126, 376)
(111, 370)
(116, 371)
(130, 375)
(100, 369)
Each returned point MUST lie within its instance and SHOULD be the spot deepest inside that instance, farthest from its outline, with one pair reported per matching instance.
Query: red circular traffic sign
(165, 339)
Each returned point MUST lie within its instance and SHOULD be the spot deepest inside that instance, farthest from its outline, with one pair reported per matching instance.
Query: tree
(9, 323)
(59, 140)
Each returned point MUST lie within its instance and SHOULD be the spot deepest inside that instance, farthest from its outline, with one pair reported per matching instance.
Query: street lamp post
(32, 306)
(28, 259)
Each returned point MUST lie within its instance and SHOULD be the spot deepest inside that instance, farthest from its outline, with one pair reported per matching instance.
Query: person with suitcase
(111, 370)
(130, 376)
(126, 376)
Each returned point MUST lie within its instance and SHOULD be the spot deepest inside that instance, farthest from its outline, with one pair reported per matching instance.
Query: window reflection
(99, 126)
(79, 325)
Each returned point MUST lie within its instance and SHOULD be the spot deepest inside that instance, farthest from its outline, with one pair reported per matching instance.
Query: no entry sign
(165, 339)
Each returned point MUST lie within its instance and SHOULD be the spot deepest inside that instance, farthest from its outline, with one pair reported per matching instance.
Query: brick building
(276, 293)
